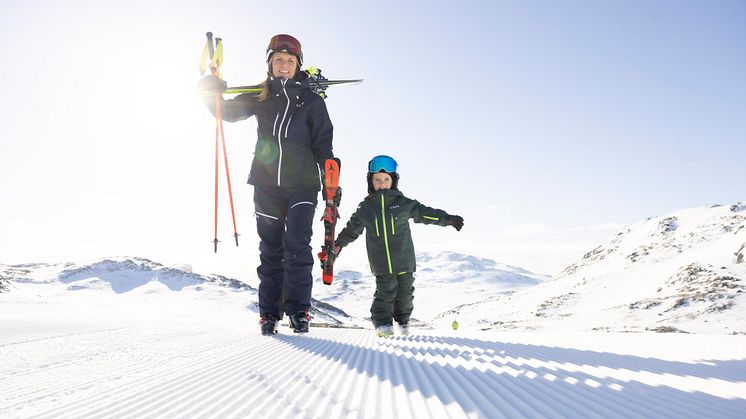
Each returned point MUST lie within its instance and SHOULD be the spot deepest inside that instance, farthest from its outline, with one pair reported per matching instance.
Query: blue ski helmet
(382, 164)
(385, 164)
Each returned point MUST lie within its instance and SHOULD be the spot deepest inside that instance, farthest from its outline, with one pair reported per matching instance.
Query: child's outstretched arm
(426, 215)
(350, 233)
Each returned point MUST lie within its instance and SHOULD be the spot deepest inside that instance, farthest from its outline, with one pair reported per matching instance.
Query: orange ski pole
(217, 129)
(228, 176)
(216, 60)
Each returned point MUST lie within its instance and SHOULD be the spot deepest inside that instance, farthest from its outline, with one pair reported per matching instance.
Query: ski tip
(327, 279)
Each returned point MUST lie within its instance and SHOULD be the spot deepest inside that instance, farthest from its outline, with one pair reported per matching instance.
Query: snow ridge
(4, 284)
(682, 272)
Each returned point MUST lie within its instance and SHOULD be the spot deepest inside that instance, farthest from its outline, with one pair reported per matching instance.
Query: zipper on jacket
(279, 135)
(393, 230)
(385, 236)
(378, 234)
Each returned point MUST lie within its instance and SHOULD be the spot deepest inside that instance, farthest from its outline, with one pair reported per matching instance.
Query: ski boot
(385, 331)
(403, 329)
(299, 321)
(269, 324)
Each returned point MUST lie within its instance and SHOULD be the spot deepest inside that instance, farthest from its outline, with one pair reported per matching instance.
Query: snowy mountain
(684, 272)
(4, 284)
(442, 280)
(134, 278)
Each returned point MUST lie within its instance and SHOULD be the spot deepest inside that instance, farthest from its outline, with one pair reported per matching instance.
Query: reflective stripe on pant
(393, 299)
(284, 222)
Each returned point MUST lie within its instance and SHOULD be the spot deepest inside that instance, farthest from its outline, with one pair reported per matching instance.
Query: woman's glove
(212, 85)
(337, 198)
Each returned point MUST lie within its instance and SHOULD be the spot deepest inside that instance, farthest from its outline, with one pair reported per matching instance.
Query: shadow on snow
(546, 380)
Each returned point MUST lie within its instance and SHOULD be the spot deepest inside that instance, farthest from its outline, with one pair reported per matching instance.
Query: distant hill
(682, 272)
(135, 275)
(443, 280)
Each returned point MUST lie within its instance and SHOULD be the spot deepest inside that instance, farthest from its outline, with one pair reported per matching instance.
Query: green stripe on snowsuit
(384, 216)
(385, 233)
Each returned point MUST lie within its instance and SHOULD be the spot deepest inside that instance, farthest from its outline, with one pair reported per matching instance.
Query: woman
(294, 140)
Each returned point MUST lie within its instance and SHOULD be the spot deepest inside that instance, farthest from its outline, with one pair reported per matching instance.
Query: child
(385, 214)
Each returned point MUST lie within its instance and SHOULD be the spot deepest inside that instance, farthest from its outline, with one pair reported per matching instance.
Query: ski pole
(216, 60)
(219, 54)
(218, 117)
(217, 129)
(228, 177)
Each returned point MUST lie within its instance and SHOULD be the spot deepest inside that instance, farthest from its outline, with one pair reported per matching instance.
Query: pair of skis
(331, 214)
(318, 83)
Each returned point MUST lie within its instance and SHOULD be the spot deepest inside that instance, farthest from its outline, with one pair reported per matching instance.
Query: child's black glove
(338, 196)
(212, 85)
(456, 221)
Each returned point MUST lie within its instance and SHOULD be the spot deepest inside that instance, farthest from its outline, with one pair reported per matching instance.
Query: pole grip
(210, 48)
(218, 59)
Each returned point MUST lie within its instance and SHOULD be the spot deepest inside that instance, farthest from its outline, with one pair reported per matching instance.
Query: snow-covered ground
(106, 357)
(128, 337)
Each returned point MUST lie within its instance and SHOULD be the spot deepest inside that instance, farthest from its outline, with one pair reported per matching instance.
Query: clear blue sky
(546, 124)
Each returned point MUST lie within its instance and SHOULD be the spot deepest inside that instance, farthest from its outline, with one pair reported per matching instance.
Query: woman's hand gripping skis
(332, 196)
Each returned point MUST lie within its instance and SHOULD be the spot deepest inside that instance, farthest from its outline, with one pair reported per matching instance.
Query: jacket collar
(386, 193)
(276, 84)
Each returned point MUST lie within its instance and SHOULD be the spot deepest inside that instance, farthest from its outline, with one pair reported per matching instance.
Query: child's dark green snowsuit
(384, 215)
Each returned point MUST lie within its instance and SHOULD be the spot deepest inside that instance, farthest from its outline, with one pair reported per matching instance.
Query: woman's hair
(264, 94)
